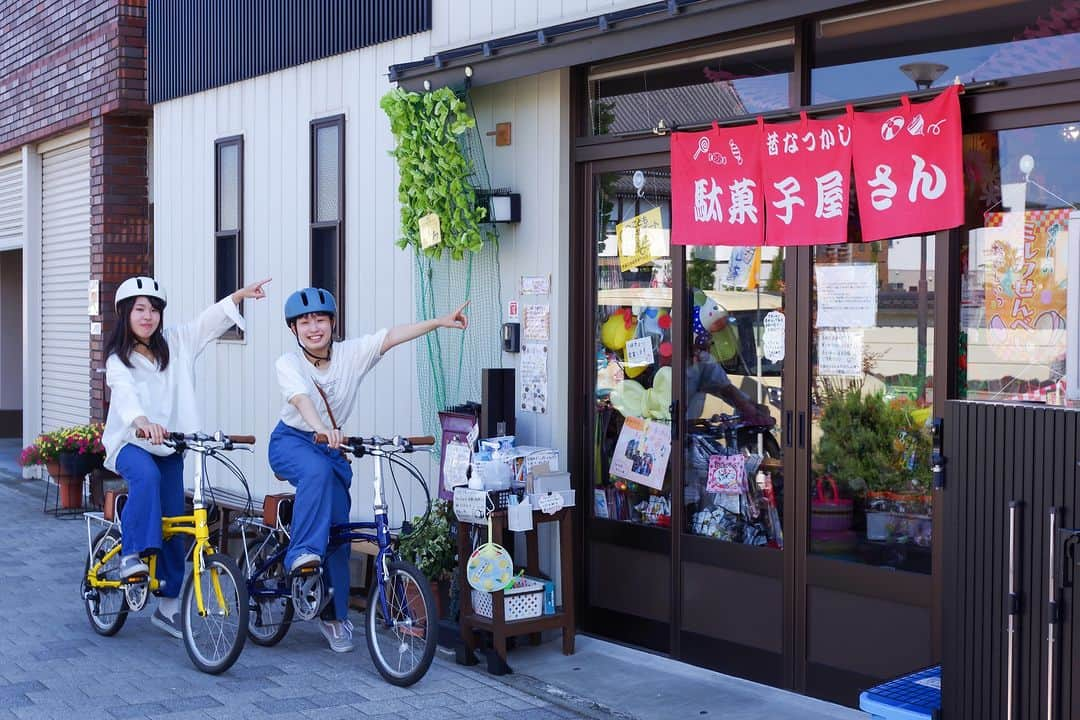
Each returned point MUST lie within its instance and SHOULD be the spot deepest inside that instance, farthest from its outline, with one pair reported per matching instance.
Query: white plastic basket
(521, 603)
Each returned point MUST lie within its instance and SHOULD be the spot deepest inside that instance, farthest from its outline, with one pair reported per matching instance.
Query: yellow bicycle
(214, 599)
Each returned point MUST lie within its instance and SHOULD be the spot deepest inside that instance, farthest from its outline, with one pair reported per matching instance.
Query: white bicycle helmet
(141, 285)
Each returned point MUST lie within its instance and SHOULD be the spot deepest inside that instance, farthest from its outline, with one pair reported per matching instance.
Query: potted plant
(430, 547)
(68, 454)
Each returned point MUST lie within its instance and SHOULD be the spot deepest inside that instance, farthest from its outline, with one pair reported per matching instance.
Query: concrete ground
(52, 665)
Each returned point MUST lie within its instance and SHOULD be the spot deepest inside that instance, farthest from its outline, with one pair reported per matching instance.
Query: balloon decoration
(631, 399)
(618, 329)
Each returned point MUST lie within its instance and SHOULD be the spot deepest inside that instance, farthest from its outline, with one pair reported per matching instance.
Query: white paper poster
(534, 378)
(846, 295)
(772, 337)
(840, 353)
(639, 352)
(740, 266)
(537, 322)
(641, 454)
(535, 284)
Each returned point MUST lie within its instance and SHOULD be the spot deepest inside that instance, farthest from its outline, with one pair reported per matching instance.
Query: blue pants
(322, 478)
(155, 488)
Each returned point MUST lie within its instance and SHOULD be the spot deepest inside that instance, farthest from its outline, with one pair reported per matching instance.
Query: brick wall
(119, 224)
(70, 63)
(64, 62)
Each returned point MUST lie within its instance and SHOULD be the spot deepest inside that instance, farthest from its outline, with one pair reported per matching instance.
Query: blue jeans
(155, 488)
(322, 478)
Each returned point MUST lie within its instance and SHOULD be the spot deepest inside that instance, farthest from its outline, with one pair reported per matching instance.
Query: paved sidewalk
(52, 665)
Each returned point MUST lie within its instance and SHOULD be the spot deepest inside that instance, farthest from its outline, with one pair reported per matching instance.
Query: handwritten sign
(550, 503)
(430, 231)
(535, 284)
(537, 322)
(772, 338)
(840, 353)
(639, 352)
(846, 295)
(642, 238)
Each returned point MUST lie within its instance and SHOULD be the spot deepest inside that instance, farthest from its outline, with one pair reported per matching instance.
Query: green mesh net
(448, 362)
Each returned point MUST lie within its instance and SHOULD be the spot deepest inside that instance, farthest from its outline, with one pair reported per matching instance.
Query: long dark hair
(122, 340)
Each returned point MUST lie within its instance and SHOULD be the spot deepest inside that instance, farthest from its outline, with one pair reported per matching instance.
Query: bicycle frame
(341, 534)
(194, 525)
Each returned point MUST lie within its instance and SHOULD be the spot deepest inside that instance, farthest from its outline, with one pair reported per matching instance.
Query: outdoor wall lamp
(502, 206)
(924, 73)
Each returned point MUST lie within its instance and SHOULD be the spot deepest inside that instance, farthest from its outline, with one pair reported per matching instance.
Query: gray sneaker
(132, 565)
(169, 625)
(339, 634)
(305, 560)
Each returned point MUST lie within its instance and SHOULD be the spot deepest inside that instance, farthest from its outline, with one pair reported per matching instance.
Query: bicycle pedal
(136, 579)
(307, 570)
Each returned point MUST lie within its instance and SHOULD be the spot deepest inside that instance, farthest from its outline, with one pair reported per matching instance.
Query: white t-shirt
(165, 397)
(350, 361)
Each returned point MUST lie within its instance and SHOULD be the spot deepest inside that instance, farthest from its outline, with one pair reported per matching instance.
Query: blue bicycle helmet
(309, 300)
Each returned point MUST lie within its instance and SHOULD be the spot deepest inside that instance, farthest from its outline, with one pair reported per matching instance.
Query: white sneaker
(339, 634)
(169, 625)
(305, 560)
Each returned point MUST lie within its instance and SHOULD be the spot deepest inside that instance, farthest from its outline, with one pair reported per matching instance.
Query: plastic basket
(523, 601)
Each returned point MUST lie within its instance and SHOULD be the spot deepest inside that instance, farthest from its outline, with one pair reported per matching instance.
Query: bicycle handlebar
(178, 437)
(355, 443)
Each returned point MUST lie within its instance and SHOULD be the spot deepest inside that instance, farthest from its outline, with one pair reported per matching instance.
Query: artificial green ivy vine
(434, 172)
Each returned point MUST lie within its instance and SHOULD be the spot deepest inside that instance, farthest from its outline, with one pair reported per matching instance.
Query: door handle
(802, 429)
(787, 428)
(675, 419)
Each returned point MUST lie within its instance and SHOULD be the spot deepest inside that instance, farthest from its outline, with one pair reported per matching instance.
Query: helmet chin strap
(317, 360)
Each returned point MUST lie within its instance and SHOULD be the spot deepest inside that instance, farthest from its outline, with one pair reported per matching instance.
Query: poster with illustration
(642, 451)
(727, 474)
(1026, 288)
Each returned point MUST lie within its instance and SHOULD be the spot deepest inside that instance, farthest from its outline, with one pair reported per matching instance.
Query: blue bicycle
(401, 624)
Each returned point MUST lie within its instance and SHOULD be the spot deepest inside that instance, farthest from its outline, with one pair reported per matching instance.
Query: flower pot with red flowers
(68, 454)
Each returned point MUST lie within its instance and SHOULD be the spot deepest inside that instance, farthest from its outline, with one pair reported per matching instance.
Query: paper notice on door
(772, 336)
(534, 378)
(846, 295)
(639, 352)
(840, 353)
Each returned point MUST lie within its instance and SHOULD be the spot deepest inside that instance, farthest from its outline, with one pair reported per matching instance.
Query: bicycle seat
(278, 506)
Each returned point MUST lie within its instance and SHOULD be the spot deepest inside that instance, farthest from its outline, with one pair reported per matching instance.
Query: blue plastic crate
(912, 697)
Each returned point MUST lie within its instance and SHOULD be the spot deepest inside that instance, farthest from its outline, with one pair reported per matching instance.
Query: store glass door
(868, 593)
(628, 554)
(732, 536)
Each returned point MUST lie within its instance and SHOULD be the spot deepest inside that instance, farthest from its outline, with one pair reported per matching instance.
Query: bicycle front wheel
(402, 625)
(106, 608)
(215, 638)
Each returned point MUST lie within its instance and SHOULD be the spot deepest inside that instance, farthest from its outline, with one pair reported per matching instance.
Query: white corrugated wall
(65, 270)
(11, 201)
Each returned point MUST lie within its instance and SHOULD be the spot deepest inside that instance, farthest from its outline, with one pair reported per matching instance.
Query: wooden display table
(497, 625)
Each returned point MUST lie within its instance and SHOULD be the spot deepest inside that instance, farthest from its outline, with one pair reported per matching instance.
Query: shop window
(871, 402)
(929, 43)
(228, 219)
(693, 85)
(328, 210)
(633, 347)
(1021, 267)
(734, 371)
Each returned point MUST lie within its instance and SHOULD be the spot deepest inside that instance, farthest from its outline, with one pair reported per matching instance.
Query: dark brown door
(628, 554)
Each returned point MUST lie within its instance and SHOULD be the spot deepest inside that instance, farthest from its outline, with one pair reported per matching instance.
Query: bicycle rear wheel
(401, 632)
(106, 608)
(270, 614)
(214, 639)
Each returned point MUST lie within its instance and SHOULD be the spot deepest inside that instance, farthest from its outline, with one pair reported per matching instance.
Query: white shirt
(166, 397)
(350, 361)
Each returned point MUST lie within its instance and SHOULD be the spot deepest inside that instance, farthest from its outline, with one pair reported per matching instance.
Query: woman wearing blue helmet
(321, 384)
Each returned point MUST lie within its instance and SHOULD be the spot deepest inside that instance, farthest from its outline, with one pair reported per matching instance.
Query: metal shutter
(65, 272)
(11, 224)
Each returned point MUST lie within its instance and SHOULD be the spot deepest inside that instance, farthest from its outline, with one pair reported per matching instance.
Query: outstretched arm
(404, 333)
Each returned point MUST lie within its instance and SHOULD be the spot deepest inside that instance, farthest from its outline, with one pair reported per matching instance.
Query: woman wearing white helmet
(151, 375)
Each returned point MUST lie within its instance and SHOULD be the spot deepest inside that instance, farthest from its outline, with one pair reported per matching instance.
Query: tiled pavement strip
(52, 665)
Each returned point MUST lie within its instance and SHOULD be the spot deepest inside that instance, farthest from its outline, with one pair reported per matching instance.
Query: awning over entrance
(598, 38)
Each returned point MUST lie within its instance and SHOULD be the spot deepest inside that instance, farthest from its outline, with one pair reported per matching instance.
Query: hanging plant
(433, 170)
